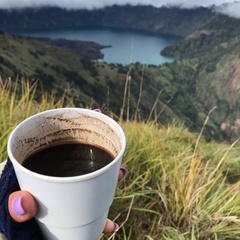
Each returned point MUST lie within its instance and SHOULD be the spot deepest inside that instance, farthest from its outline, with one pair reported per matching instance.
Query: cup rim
(18, 167)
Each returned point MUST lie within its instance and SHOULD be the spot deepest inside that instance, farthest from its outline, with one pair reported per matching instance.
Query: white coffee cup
(69, 208)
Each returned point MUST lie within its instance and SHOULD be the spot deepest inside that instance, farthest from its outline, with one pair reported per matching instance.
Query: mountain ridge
(167, 19)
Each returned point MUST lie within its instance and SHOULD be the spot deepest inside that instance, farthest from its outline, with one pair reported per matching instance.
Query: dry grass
(178, 185)
(17, 102)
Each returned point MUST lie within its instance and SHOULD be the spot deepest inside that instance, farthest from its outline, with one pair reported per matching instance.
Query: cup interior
(62, 126)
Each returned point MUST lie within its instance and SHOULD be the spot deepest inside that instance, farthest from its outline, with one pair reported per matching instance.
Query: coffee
(68, 160)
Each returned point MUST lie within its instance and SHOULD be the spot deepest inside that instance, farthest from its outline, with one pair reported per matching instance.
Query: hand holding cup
(73, 206)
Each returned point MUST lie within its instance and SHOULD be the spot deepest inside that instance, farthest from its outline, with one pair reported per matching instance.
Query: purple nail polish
(116, 227)
(17, 206)
(97, 110)
(124, 170)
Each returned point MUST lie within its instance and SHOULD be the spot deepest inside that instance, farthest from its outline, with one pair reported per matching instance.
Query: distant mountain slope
(215, 50)
(158, 20)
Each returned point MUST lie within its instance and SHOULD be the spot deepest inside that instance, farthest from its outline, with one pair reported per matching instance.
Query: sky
(230, 7)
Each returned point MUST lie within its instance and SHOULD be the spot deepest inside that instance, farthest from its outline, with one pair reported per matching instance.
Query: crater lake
(127, 46)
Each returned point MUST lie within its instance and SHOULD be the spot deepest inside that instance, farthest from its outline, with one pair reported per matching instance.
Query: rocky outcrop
(235, 86)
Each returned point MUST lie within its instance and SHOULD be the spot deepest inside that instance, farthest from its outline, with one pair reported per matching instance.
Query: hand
(23, 207)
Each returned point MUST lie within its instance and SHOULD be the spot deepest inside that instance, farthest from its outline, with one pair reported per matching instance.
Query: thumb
(22, 206)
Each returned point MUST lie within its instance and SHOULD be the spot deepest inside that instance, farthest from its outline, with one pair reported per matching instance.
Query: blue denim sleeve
(12, 230)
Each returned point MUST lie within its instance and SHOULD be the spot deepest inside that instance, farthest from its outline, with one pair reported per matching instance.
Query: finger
(110, 227)
(22, 206)
(122, 173)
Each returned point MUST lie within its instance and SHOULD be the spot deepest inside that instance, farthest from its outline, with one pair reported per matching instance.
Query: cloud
(230, 7)
(75, 4)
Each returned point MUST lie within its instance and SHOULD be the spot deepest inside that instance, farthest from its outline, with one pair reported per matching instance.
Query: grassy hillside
(99, 84)
(205, 75)
(58, 70)
(178, 185)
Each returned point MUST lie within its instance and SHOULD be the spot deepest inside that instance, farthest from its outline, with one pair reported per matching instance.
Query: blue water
(127, 46)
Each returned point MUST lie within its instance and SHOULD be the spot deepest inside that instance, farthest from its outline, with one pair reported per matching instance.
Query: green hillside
(205, 74)
(57, 69)
(92, 84)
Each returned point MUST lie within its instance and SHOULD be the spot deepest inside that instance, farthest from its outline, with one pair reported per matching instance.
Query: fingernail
(124, 170)
(97, 110)
(116, 227)
(17, 206)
